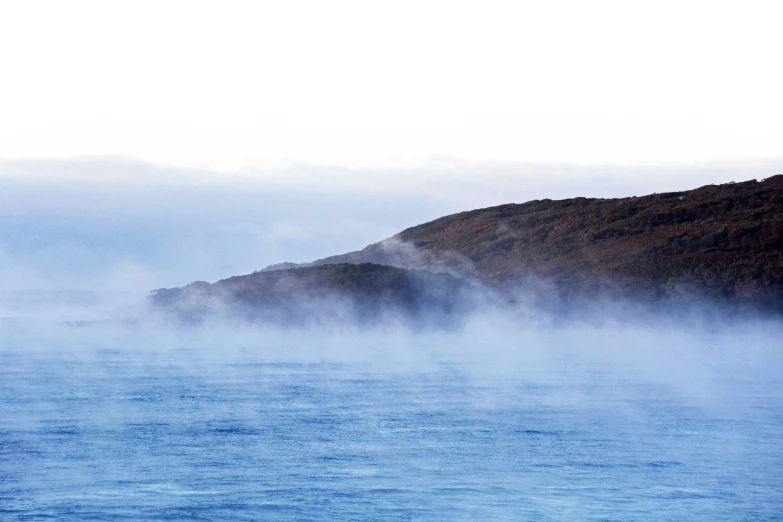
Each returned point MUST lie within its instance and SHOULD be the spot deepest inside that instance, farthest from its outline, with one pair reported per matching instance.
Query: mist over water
(501, 419)
(153, 153)
(617, 413)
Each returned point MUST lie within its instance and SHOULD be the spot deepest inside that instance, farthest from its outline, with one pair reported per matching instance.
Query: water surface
(103, 433)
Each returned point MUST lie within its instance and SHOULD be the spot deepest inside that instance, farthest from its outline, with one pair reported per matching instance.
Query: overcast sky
(227, 84)
(147, 144)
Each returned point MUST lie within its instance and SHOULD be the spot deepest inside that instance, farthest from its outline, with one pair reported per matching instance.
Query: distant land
(720, 244)
(331, 292)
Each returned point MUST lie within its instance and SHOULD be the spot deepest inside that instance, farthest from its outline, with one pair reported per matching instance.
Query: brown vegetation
(722, 243)
(719, 241)
(363, 292)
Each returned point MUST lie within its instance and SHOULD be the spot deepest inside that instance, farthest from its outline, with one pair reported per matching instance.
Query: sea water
(134, 426)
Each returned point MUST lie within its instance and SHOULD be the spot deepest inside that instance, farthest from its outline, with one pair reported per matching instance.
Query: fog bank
(108, 224)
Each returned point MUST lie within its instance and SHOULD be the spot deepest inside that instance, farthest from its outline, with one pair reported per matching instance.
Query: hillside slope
(357, 292)
(717, 241)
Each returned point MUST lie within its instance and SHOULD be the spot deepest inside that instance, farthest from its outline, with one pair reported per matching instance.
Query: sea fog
(614, 414)
(504, 418)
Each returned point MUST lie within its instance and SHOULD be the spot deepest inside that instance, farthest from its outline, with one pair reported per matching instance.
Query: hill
(722, 242)
(360, 293)
(718, 243)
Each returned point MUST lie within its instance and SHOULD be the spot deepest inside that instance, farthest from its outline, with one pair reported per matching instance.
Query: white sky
(231, 84)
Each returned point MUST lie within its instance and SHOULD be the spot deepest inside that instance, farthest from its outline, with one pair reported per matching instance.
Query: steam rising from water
(617, 414)
(646, 418)
(688, 356)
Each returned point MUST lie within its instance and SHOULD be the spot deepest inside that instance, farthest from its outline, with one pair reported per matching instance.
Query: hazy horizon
(147, 145)
(124, 225)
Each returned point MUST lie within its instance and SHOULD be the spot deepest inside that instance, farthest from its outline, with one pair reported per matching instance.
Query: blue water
(98, 433)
